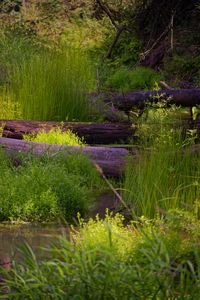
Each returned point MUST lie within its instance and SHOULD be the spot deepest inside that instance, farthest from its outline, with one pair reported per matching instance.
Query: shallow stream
(39, 236)
(12, 237)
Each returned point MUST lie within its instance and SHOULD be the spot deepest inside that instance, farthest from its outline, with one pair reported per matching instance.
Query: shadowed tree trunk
(105, 133)
(126, 101)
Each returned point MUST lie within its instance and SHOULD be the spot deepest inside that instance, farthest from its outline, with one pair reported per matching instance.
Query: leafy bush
(105, 260)
(129, 80)
(46, 189)
(56, 136)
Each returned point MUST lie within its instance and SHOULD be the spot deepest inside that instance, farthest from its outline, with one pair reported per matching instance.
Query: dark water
(12, 237)
(38, 236)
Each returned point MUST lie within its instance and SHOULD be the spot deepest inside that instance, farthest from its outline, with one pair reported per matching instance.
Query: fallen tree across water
(126, 101)
(105, 133)
(111, 160)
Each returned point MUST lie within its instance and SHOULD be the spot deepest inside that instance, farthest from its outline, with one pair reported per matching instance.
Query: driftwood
(164, 85)
(105, 133)
(111, 160)
(126, 101)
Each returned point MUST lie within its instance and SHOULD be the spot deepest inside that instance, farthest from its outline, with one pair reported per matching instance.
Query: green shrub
(139, 78)
(47, 189)
(105, 260)
(56, 136)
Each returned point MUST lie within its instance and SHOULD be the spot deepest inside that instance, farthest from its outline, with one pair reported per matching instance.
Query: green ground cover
(105, 260)
(46, 189)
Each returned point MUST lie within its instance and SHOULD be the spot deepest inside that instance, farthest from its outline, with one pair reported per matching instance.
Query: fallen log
(105, 133)
(111, 160)
(126, 101)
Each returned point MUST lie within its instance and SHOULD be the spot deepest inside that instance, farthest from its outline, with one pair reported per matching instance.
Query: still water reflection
(37, 236)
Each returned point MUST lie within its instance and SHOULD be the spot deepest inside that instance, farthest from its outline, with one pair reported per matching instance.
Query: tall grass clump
(166, 175)
(9, 109)
(161, 181)
(14, 50)
(46, 189)
(52, 85)
(105, 260)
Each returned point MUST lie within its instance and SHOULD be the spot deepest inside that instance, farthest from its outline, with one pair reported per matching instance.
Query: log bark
(111, 160)
(105, 133)
(126, 101)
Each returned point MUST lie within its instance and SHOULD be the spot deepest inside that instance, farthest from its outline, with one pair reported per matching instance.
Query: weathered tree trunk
(111, 160)
(126, 101)
(106, 133)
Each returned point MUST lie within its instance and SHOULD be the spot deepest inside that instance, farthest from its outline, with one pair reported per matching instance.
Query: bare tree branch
(119, 31)
(106, 9)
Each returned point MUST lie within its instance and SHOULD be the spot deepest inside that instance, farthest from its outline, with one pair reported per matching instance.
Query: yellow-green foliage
(52, 85)
(109, 234)
(89, 34)
(56, 136)
(125, 79)
(104, 260)
(48, 188)
(8, 108)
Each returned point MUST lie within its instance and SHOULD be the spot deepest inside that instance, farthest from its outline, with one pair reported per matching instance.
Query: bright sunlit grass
(52, 85)
(56, 136)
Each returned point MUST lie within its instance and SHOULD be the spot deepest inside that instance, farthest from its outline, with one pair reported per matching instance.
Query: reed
(166, 176)
(52, 85)
(105, 260)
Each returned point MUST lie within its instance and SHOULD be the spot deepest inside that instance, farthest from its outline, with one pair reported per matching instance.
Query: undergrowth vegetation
(139, 78)
(8, 108)
(159, 182)
(166, 174)
(52, 85)
(56, 136)
(105, 260)
(52, 55)
(46, 189)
